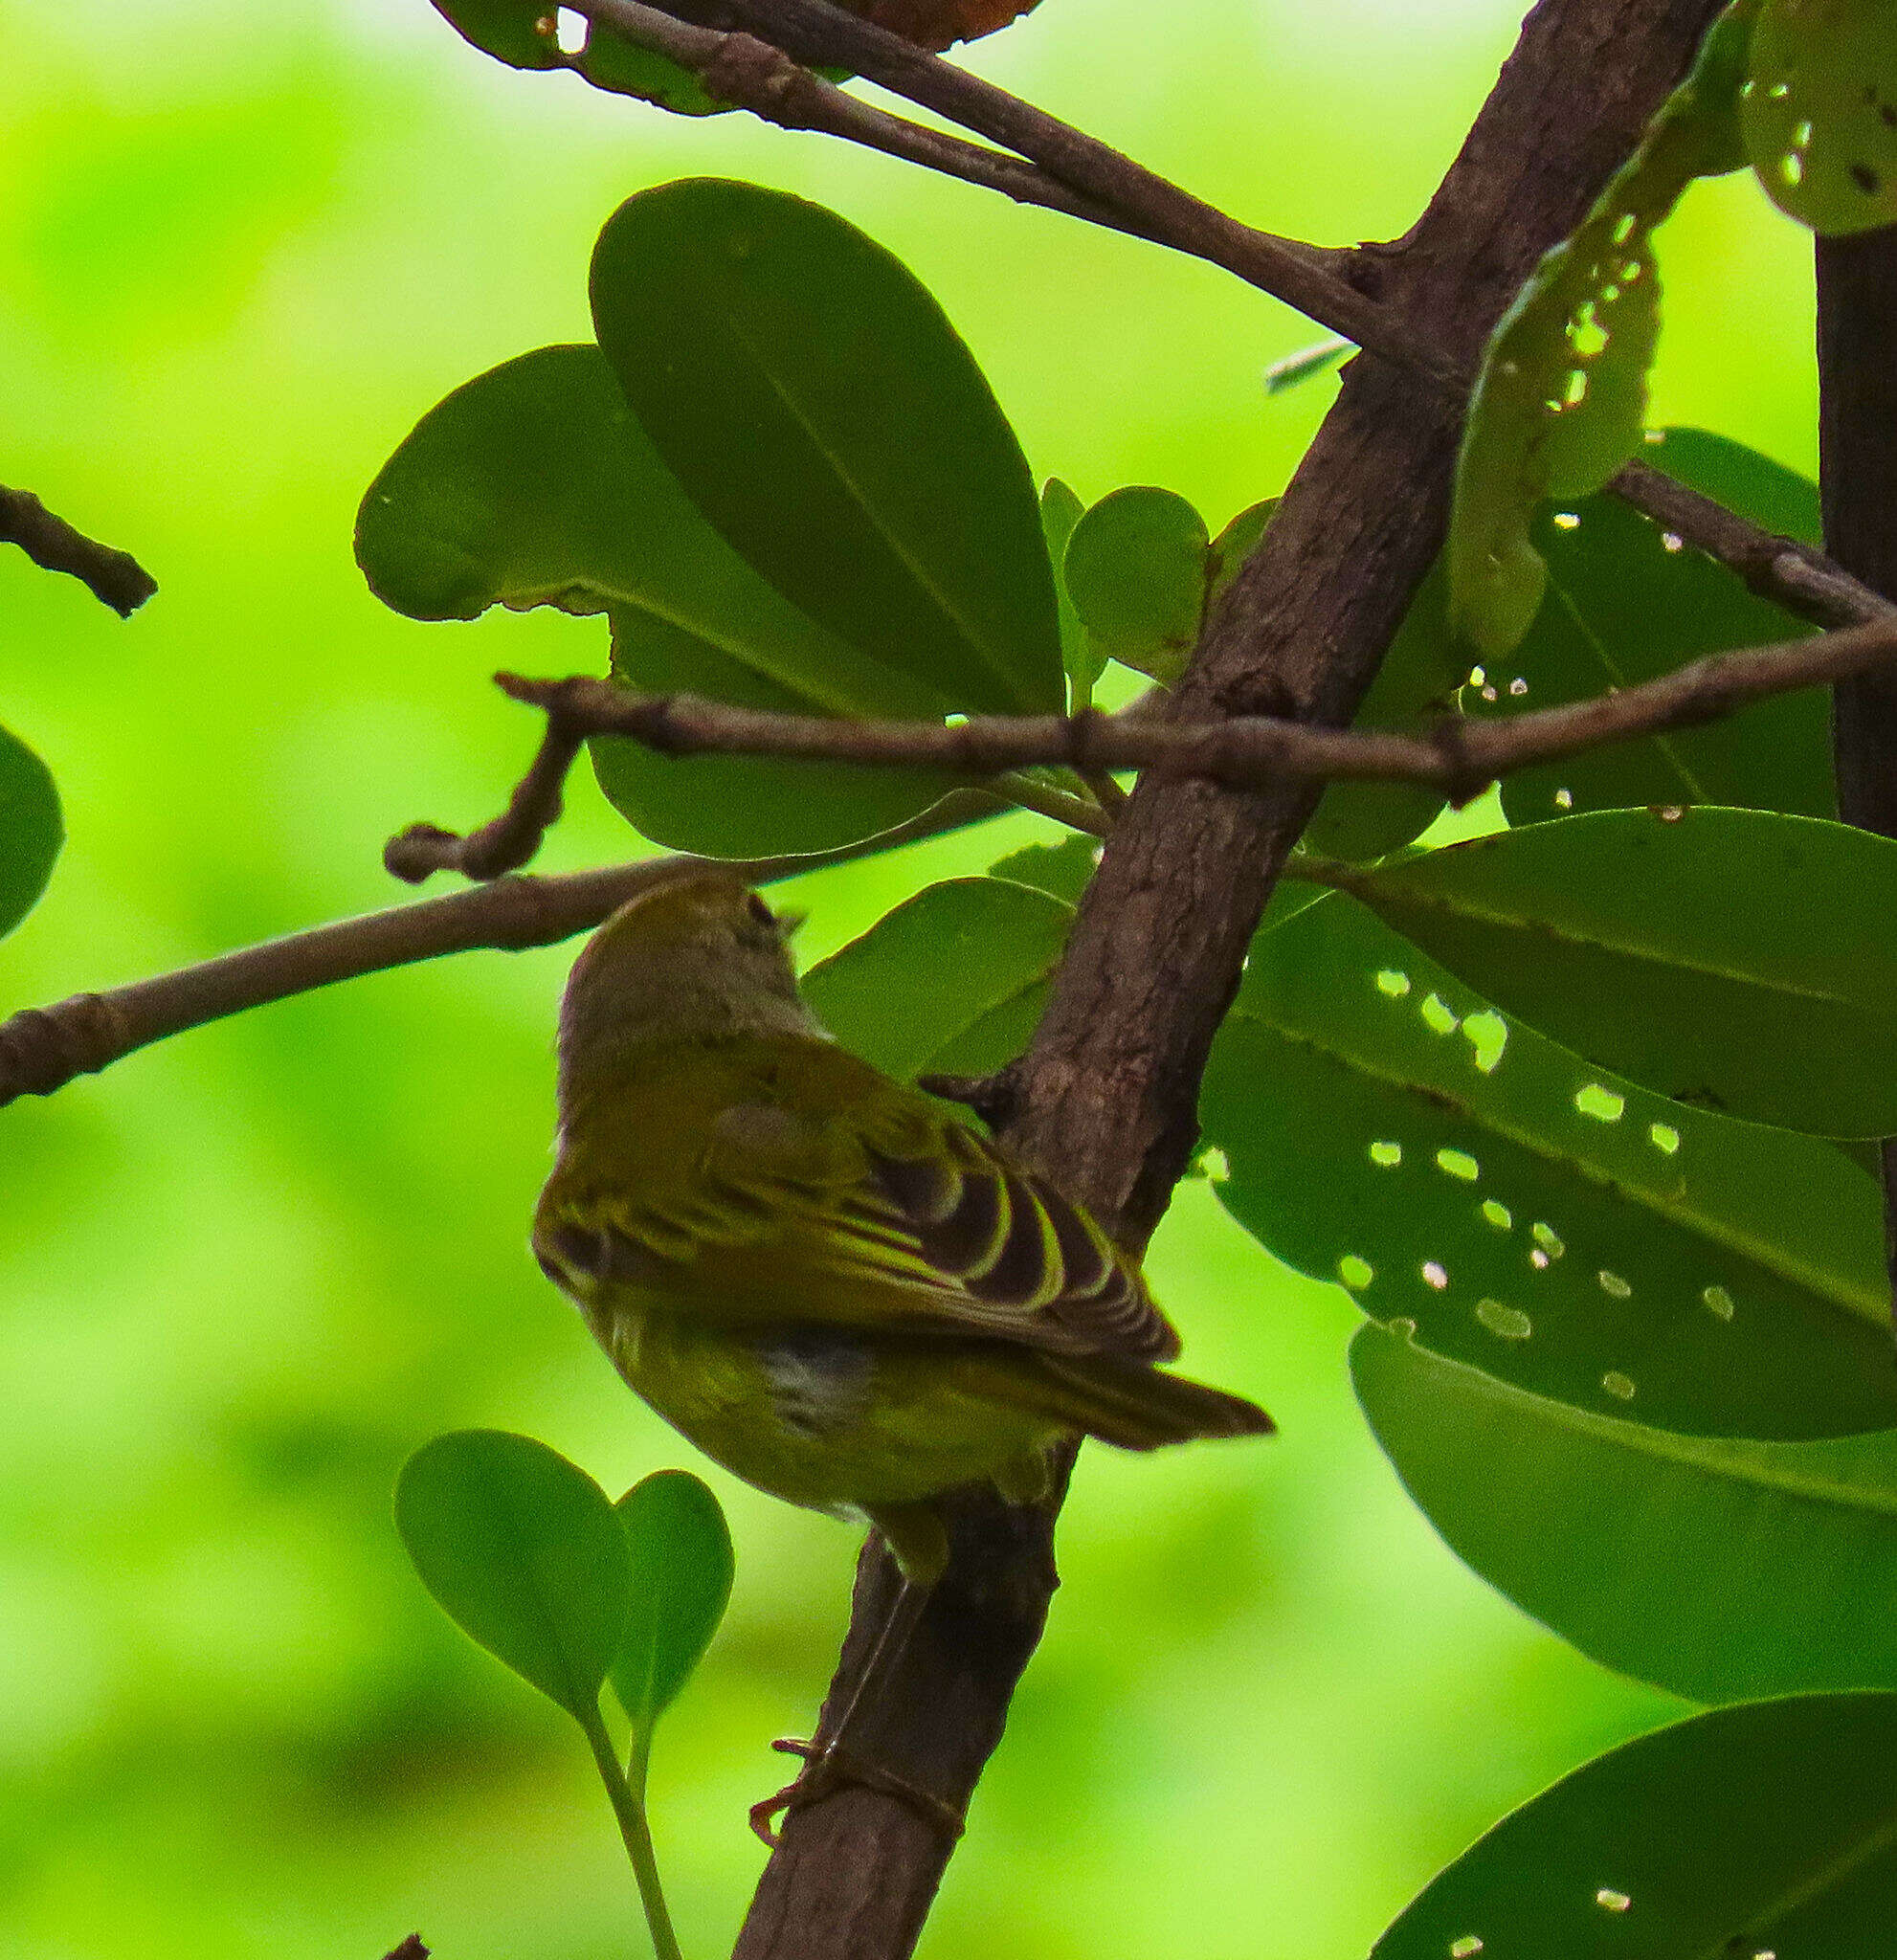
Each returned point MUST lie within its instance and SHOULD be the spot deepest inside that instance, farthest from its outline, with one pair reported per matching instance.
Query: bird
(834, 1284)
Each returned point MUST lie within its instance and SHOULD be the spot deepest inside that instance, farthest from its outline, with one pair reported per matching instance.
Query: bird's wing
(827, 1186)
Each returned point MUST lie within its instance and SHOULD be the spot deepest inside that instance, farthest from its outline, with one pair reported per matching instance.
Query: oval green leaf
(1720, 1567)
(681, 1582)
(1731, 959)
(1137, 566)
(952, 980)
(533, 485)
(1770, 1830)
(32, 830)
(1819, 113)
(816, 403)
(1556, 1227)
(1560, 402)
(524, 1553)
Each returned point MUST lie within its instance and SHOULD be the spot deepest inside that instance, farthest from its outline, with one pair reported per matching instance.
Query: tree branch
(43, 1049)
(1244, 751)
(1108, 1093)
(115, 578)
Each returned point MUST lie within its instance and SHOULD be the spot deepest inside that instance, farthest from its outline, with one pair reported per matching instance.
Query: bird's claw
(827, 1768)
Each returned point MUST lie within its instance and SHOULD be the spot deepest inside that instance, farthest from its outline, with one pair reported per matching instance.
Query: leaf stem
(629, 1807)
(1044, 800)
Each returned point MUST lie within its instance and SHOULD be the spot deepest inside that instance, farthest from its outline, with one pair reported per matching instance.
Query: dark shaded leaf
(32, 830)
(1748, 1833)
(816, 405)
(1717, 1567)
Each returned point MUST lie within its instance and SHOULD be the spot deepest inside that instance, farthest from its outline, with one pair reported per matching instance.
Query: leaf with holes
(816, 405)
(523, 1552)
(1720, 1567)
(1732, 959)
(1561, 399)
(952, 981)
(1137, 566)
(525, 33)
(532, 485)
(1625, 604)
(1747, 1832)
(680, 1584)
(1060, 510)
(32, 830)
(1819, 113)
(1563, 1230)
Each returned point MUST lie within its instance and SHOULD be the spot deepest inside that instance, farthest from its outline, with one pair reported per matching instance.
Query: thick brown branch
(115, 578)
(43, 1049)
(1247, 752)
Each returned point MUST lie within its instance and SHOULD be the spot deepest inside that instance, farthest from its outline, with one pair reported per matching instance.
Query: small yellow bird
(825, 1279)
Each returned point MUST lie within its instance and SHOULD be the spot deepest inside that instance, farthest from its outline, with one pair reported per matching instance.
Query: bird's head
(697, 956)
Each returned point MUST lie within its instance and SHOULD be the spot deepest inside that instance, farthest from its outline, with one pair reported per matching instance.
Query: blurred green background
(242, 1276)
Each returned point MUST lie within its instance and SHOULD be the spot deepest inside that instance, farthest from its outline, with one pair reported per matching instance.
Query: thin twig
(113, 577)
(43, 1049)
(410, 1948)
(513, 837)
(754, 75)
(1247, 752)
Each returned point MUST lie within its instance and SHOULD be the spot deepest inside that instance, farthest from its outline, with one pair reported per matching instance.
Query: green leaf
(32, 830)
(1760, 490)
(1561, 400)
(1622, 607)
(1063, 869)
(1060, 510)
(1820, 112)
(524, 1551)
(952, 980)
(1732, 959)
(816, 405)
(680, 1585)
(1137, 566)
(1416, 685)
(1234, 545)
(1745, 1833)
(521, 34)
(1560, 1229)
(532, 485)
(1720, 1567)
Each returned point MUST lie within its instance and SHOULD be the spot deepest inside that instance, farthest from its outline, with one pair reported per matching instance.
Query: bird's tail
(1137, 1406)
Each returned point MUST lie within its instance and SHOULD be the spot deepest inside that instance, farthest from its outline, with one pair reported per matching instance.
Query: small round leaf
(522, 1550)
(30, 830)
(681, 1580)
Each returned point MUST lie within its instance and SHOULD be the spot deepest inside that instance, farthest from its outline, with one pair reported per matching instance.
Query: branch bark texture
(113, 577)
(1108, 1093)
(1857, 329)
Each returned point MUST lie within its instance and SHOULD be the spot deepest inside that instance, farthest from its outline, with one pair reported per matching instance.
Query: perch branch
(115, 578)
(1462, 758)
(43, 1049)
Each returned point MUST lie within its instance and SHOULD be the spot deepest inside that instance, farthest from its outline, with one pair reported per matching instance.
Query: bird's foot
(826, 1769)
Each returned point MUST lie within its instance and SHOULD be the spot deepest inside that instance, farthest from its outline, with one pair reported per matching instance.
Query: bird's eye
(762, 912)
